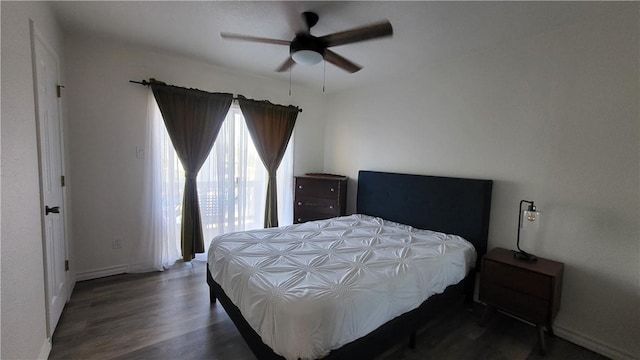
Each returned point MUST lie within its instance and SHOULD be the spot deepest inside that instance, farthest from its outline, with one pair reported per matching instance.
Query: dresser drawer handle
(330, 206)
(299, 219)
(332, 190)
(299, 186)
(299, 203)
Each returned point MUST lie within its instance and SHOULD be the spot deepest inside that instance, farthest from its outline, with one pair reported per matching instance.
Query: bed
(399, 205)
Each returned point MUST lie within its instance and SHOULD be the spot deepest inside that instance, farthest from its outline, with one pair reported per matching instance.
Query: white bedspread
(309, 288)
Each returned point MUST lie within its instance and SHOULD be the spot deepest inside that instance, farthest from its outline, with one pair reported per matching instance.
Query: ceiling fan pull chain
(289, 81)
(324, 74)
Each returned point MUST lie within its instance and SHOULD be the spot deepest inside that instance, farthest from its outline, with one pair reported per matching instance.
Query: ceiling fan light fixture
(306, 57)
(306, 49)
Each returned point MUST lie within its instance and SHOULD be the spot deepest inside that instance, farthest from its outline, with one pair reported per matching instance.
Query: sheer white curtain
(156, 249)
(232, 186)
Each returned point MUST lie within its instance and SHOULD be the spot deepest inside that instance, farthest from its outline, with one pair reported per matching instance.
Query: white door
(51, 164)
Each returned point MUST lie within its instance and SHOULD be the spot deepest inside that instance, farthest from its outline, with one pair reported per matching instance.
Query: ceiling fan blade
(240, 37)
(341, 62)
(367, 32)
(286, 65)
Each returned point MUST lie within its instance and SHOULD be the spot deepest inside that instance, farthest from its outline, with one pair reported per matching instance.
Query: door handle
(55, 210)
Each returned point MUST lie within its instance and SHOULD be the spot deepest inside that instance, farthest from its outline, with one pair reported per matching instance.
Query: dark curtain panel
(193, 119)
(270, 127)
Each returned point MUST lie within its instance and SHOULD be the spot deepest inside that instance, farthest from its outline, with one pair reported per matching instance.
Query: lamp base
(525, 256)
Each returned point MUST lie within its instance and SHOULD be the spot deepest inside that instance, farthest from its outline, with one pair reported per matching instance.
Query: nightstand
(528, 290)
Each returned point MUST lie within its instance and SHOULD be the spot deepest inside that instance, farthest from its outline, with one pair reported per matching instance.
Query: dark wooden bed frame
(450, 205)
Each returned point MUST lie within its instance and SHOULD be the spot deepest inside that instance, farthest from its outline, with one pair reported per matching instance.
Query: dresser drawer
(327, 206)
(317, 188)
(306, 214)
(517, 279)
(529, 308)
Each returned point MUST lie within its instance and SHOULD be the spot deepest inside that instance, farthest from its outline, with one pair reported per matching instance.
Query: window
(232, 183)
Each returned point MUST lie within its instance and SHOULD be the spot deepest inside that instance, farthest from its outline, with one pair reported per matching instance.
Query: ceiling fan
(307, 49)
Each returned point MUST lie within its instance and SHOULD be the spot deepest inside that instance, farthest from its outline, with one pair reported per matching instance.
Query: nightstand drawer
(526, 307)
(517, 279)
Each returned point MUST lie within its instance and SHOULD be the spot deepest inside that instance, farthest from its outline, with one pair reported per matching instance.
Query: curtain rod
(146, 83)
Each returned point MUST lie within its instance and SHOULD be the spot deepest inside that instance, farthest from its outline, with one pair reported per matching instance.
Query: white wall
(24, 332)
(107, 116)
(552, 118)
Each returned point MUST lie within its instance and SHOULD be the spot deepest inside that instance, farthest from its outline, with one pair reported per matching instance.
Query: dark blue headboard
(449, 205)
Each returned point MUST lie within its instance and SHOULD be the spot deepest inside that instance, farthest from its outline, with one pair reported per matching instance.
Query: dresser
(528, 290)
(319, 196)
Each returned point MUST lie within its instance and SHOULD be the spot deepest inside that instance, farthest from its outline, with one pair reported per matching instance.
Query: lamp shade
(530, 219)
(306, 57)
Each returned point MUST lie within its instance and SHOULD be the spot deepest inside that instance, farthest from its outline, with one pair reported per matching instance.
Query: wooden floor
(168, 316)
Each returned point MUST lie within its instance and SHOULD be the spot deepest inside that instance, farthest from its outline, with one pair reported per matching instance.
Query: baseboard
(98, 273)
(45, 349)
(585, 341)
(592, 344)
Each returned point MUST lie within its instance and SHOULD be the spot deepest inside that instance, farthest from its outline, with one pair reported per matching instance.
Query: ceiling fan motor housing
(307, 42)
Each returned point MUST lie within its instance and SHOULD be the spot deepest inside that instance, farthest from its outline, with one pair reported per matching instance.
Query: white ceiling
(424, 32)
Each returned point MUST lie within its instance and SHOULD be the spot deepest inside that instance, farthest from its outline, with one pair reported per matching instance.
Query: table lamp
(529, 218)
